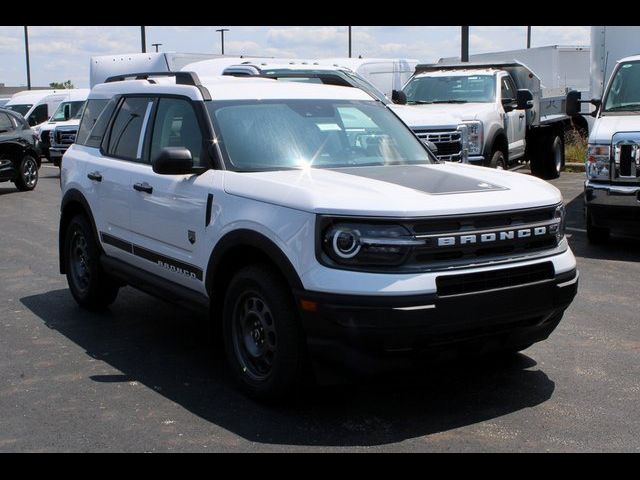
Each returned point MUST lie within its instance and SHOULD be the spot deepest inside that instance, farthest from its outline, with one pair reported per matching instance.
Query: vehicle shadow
(619, 247)
(162, 347)
(7, 190)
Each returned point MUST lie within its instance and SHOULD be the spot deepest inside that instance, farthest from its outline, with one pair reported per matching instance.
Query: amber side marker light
(309, 305)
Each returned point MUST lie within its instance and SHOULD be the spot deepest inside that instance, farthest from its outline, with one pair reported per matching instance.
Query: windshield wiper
(418, 102)
(450, 101)
(622, 108)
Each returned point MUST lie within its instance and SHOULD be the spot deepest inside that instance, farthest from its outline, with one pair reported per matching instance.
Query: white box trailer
(105, 66)
(608, 45)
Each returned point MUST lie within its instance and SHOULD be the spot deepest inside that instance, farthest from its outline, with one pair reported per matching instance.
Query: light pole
(464, 44)
(143, 39)
(349, 41)
(528, 37)
(156, 45)
(26, 50)
(222, 30)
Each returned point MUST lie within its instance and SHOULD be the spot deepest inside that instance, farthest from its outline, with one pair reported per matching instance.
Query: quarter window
(176, 125)
(126, 137)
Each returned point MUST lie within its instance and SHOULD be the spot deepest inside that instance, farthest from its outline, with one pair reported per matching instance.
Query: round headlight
(346, 243)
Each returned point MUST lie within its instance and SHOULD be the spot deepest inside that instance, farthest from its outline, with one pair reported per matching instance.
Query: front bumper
(476, 159)
(368, 334)
(56, 153)
(613, 206)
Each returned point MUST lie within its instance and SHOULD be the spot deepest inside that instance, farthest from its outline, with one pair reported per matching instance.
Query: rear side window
(89, 118)
(5, 123)
(125, 139)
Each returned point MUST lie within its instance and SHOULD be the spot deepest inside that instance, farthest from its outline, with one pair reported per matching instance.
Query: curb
(574, 167)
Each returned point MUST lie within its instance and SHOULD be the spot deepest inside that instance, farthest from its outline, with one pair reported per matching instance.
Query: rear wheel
(27, 178)
(90, 286)
(596, 235)
(547, 156)
(262, 334)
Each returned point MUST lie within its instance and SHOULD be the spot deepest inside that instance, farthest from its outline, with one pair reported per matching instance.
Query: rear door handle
(95, 176)
(143, 187)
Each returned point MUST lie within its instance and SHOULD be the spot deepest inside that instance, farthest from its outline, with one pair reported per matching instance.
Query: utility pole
(222, 30)
(143, 39)
(349, 41)
(464, 44)
(26, 51)
(156, 45)
(528, 37)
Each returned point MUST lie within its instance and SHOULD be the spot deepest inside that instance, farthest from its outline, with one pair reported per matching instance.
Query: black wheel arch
(497, 142)
(73, 203)
(240, 248)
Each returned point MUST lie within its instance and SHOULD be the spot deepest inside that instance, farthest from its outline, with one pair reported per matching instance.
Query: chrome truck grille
(449, 142)
(626, 157)
(65, 137)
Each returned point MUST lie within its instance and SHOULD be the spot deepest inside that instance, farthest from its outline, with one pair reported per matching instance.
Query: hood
(405, 191)
(43, 127)
(605, 127)
(459, 111)
(416, 117)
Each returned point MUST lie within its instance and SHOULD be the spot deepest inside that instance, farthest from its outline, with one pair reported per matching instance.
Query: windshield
(22, 109)
(291, 134)
(624, 92)
(451, 89)
(76, 108)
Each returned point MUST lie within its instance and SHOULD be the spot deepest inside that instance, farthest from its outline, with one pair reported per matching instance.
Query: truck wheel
(27, 178)
(547, 157)
(90, 286)
(262, 334)
(596, 235)
(498, 160)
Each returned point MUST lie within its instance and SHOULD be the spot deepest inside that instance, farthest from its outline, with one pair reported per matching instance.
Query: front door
(515, 120)
(168, 211)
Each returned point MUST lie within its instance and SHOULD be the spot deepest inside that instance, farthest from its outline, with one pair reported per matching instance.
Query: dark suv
(19, 155)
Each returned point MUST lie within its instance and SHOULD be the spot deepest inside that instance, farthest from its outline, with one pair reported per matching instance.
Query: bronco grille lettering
(485, 238)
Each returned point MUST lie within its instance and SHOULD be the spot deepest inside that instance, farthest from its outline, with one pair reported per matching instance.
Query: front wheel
(90, 286)
(27, 178)
(262, 334)
(498, 160)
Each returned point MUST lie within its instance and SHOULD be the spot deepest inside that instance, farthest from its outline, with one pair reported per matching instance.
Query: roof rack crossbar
(182, 78)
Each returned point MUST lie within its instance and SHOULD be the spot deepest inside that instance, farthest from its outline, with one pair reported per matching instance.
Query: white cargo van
(37, 106)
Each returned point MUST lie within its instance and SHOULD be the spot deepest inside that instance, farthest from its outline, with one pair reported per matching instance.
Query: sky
(59, 53)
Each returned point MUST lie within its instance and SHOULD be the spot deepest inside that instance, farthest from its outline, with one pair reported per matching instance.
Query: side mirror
(431, 146)
(399, 97)
(508, 104)
(67, 111)
(573, 103)
(524, 99)
(173, 161)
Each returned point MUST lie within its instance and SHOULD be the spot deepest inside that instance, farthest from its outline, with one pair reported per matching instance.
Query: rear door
(168, 212)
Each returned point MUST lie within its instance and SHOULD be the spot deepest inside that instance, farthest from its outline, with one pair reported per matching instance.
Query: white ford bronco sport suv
(310, 221)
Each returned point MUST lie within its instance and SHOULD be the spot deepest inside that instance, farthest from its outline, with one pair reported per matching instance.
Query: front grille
(65, 137)
(471, 238)
(449, 143)
(494, 279)
(626, 157)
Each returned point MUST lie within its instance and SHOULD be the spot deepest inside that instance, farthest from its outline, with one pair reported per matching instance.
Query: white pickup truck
(501, 103)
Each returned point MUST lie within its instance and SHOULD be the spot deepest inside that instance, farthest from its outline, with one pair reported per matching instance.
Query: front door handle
(95, 176)
(521, 115)
(143, 187)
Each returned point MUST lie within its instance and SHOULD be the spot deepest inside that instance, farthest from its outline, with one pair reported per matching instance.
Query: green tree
(60, 85)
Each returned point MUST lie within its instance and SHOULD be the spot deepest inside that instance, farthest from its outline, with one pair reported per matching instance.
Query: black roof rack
(182, 78)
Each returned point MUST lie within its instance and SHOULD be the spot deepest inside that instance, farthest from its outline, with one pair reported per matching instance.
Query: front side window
(40, 114)
(624, 93)
(176, 125)
(451, 89)
(125, 138)
(289, 134)
(506, 89)
(74, 112)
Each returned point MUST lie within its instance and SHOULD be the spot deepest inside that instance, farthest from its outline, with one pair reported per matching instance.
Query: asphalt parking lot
(140, 377)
